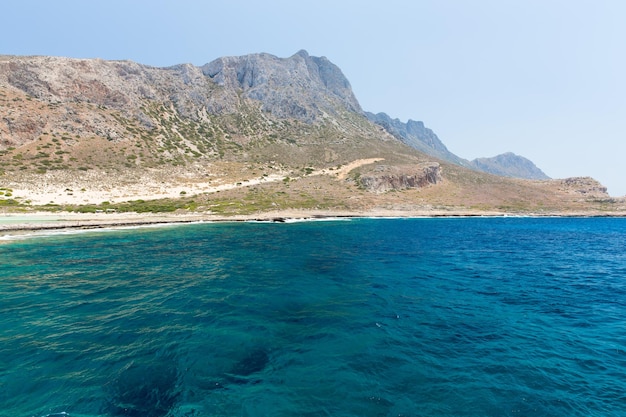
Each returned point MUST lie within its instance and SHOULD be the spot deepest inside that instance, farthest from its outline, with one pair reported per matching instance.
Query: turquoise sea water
(395, 317)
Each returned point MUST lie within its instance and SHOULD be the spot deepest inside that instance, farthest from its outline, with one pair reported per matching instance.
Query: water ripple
(429, 317)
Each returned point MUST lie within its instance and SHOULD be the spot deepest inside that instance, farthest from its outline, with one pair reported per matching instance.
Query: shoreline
(13, 224)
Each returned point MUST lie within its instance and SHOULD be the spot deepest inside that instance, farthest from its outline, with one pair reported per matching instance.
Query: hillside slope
(255, 128)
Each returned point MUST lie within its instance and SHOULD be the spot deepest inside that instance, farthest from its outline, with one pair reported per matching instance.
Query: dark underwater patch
(144, 390)
(253, 362)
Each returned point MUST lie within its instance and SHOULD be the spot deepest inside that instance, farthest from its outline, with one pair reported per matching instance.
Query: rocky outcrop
(385, 178)
(584, 186)
(509, 165)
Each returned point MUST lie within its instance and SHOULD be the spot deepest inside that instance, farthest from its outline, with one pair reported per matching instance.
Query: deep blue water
(396, 317)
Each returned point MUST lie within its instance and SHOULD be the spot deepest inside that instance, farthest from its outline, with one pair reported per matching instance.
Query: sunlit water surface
(396, 317)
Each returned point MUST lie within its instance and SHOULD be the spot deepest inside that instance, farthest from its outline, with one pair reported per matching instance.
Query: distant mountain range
(416, 135)
(66, 120)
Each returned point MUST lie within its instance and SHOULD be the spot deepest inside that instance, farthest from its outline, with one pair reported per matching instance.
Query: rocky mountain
(257, 128)
(233, 108)
(300, 87)
(416, 135)
(509, 165)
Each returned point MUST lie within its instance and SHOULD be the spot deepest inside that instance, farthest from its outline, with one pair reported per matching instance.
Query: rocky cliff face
(585, 187)
(385, 178)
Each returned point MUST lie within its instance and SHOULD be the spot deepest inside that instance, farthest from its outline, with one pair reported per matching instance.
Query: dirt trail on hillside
(343, 172)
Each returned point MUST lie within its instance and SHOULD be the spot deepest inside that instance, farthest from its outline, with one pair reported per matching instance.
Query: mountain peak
(509, 164)
(303, 53)
(301, 86)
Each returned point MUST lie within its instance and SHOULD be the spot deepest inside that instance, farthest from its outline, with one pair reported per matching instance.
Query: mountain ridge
(96, 125)
(416, 135)
(509, 164)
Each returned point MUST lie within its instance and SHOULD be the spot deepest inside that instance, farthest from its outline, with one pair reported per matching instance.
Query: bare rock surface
(301, 86)
(385, 178)
(584, 186)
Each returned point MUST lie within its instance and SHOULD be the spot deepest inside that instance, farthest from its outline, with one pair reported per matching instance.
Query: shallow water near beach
(368, 317)
(17, 219)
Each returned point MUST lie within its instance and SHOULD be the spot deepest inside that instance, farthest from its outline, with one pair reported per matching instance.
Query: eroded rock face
(585, 186)
(386, 178)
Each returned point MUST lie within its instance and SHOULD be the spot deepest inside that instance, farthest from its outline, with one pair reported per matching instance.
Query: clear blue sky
(545, 79)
